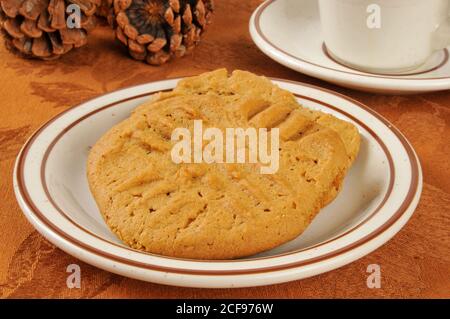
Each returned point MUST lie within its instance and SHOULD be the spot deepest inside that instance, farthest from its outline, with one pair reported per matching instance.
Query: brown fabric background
(415, 263)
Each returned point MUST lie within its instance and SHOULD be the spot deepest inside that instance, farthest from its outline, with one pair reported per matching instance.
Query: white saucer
(289, 32)
(379, 195)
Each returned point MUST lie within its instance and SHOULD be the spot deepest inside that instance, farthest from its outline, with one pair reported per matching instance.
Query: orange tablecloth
(415, 263)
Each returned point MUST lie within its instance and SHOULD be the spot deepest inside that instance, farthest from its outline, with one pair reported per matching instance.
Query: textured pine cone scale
(152, 30)
(38, 28)
(157, 30)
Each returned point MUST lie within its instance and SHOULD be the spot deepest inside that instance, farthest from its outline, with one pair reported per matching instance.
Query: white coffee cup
(384, 36)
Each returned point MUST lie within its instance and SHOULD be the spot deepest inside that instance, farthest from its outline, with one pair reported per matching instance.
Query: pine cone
(157, 30)
(105, 10)
(39, 29)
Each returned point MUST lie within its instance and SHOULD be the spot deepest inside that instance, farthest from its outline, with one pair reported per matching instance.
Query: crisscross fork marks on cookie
(246, 212)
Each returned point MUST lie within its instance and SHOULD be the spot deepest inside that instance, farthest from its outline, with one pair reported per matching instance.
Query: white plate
(379, 196)
(289, 32)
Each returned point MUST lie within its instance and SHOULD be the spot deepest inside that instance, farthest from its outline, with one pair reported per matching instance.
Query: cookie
(218, 210)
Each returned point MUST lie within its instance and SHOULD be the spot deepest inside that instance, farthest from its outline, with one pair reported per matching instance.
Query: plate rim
(411, 154)
(361, 80)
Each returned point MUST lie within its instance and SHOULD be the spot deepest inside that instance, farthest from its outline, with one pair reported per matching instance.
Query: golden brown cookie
(218, 210)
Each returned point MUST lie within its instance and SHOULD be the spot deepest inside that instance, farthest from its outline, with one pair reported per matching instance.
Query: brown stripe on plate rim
(261, 9)
(444, 61)
(401, 210)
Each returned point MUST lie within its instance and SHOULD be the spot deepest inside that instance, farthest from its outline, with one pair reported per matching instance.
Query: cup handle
(442, 35)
